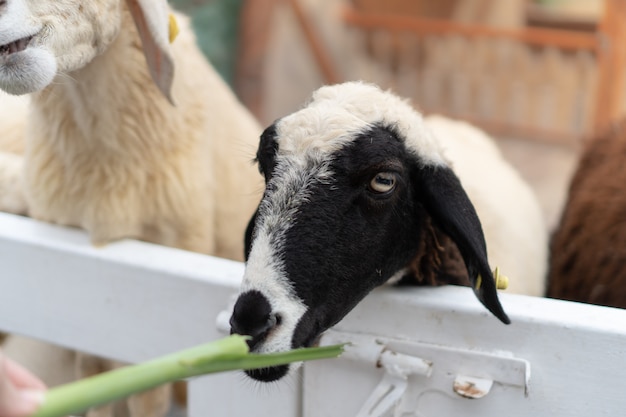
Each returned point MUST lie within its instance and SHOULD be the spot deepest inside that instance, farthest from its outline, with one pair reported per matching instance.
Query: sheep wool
(105, 151)
(588, 249)
(362, 190)
(127, 136)
(13, 117)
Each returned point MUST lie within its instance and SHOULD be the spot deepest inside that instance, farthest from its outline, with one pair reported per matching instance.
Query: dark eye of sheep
(383, 183)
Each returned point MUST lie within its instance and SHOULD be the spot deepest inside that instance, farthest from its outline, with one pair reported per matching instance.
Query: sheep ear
(153, 24)
(248, 236)
(452, 211)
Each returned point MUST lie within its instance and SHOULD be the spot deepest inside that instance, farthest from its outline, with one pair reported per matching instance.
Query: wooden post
(255, 23)
(320, 52)
(255, 28)
(611, 65)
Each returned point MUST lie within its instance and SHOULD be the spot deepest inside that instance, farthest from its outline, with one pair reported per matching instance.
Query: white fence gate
(417, 352)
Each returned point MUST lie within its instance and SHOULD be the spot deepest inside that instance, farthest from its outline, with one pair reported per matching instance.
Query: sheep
(12, 198)
(588, 247)
(12, 127)
(117, 142)
(360, 192)
(106, 151)
(13, 116)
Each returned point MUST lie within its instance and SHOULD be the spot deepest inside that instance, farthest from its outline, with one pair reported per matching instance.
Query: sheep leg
(102, 411)
(153, 403)
(88, 365)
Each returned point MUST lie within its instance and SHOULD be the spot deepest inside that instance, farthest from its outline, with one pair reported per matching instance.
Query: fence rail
(132, 301)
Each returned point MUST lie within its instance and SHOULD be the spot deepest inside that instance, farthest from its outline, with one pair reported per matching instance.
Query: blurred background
(541, 76)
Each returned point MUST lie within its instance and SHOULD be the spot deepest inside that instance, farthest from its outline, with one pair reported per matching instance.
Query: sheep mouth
(274, 373)
(15, 46)
(271, 374)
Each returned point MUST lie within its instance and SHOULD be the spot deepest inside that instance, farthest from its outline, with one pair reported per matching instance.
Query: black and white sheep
(359, 192)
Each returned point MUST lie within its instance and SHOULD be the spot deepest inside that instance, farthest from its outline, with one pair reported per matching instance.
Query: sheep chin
(27, 71)
(273, 373)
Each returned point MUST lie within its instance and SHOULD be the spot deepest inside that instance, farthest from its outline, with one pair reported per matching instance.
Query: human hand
(21, 392)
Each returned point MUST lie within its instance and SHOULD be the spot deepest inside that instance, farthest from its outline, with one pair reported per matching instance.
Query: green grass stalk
(230, 353)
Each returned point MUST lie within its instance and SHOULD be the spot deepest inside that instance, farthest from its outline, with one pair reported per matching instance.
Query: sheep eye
(383, 182)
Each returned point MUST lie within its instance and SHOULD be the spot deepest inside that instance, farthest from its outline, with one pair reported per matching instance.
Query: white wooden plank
(129, 301)
(233, 395)
(576, 353)
(133, 301)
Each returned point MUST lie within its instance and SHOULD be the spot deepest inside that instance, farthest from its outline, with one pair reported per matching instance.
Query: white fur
(13, 117)
(12, 197)
(514, 228)
(266, 274)
(15, 22)
(509, 212)
(337, 113)
(108, 152)
(289, 188)
(147, 170)
(31, 69)
(13, 121)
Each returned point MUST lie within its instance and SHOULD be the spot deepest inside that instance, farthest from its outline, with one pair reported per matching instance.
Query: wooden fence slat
(431, 26)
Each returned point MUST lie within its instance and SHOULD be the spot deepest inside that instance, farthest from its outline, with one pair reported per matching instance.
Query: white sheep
(105, 150)
(360, 192)
(118, 141)
(12, 198)
(13, 117)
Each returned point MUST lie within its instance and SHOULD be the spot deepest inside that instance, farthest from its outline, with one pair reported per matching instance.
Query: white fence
(133, 301)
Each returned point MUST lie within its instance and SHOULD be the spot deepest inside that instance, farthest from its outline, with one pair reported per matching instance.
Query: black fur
(266, 154)
(251, 317)
(266, 160)
(247, 240)
(453, 212)
(348, 239)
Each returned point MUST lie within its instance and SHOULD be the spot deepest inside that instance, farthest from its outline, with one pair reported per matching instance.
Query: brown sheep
(588, 261)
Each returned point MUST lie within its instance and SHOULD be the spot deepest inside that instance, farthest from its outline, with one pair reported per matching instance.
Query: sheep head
(350, 179)
(42, 38)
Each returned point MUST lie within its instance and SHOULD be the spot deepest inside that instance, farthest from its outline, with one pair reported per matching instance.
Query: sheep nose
(252, 316)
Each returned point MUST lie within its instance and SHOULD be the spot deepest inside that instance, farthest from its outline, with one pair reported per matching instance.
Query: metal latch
(398, 367)
(464, 372)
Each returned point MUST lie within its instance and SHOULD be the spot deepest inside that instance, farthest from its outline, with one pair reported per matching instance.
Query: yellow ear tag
(502, 281)
(174, 30)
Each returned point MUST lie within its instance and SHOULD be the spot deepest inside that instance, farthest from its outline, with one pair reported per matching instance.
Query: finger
(14, 401)
(20, 403)
(21, 377)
